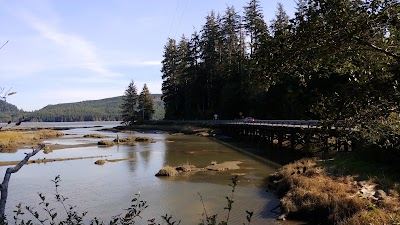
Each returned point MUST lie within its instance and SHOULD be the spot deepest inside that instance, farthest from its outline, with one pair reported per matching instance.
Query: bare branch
(7, 176)
(3, 45)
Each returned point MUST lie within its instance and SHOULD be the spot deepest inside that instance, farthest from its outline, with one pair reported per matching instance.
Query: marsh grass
(307, 192)
(100, 162)
(11, 140)
(105, 143)
(94, 136)
(168, 171)
(133, 139)
(47, 150)
(310, 189)
(373, 216)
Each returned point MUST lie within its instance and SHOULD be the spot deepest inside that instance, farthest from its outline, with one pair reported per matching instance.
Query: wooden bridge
(307, 135)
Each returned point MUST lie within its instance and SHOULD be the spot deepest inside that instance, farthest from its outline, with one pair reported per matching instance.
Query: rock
(282, 217)
(100, 162)
(380, 194)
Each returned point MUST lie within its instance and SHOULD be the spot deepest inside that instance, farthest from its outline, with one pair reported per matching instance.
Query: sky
(62, 51)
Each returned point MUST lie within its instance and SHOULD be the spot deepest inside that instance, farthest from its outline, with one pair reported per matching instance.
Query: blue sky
(63, 51)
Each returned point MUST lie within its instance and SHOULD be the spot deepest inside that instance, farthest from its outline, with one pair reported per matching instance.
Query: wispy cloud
(80, 51)
(135, 63)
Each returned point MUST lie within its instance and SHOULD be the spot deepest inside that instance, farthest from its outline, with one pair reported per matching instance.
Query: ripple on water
(105, 190)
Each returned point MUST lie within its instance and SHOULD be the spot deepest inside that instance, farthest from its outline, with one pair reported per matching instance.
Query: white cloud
(80, 52)
(139, 63)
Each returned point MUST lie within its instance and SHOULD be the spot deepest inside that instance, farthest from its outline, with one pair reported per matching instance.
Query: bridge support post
(292, 141)
(280, 139)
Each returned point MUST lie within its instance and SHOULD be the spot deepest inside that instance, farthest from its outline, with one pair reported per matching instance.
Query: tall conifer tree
(145, 104)
(129, 107)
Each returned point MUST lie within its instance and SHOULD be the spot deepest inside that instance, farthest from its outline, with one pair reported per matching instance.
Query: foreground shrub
(130, 215)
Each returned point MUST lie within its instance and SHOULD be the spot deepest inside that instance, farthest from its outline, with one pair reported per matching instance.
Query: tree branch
(397, 57)
(7, 176)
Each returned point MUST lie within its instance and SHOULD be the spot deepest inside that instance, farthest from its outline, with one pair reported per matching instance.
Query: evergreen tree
(146, 104)
(255, 26)
(170, 79)
(211, 58)
(129, 107)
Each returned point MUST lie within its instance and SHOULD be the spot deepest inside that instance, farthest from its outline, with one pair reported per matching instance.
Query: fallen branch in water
(7, 176)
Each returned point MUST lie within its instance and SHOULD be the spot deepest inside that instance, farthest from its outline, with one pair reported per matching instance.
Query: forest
(334, 61)
(93, 110)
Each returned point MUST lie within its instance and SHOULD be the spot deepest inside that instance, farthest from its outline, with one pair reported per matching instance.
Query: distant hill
(107, 109)
(6, 107)
(8, 111)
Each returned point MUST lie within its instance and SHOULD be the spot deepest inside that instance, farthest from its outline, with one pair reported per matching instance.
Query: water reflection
(106, 190)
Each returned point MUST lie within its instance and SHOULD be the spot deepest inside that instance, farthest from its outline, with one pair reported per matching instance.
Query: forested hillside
(94, 110)
(8, 111)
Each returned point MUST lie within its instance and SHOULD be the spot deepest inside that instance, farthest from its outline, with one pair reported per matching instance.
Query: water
(106, 190)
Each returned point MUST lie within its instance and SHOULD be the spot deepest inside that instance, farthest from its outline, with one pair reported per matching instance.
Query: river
(106, 190)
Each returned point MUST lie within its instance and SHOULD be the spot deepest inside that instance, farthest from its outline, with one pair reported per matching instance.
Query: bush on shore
(131, 215)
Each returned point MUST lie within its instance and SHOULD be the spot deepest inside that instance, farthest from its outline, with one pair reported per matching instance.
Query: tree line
(108, 109)
(335, 60)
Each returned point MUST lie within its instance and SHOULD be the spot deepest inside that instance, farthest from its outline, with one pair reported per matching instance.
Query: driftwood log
(7, 176)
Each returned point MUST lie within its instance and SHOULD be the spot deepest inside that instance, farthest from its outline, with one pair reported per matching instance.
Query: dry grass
(229, 165)
(373, 216)
(100, 162)
(134, 139)
(186, 168)
(105, 143)
(46, 160)
(11, 140)
(94, 136)
(307, 192)
(47, 150)
(47, 134)
(167, 171)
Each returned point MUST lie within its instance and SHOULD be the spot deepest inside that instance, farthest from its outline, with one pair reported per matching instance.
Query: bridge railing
(271, 123)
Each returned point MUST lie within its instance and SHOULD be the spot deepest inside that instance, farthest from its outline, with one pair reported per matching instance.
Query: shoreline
(321, 191)
(352, 198)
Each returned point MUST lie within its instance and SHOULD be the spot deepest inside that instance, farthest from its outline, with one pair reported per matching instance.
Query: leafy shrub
(130, 215)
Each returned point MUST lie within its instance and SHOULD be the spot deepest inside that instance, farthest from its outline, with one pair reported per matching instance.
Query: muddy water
(106, 190)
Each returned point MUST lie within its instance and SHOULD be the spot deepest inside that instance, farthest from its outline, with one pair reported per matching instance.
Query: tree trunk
(7, 176)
